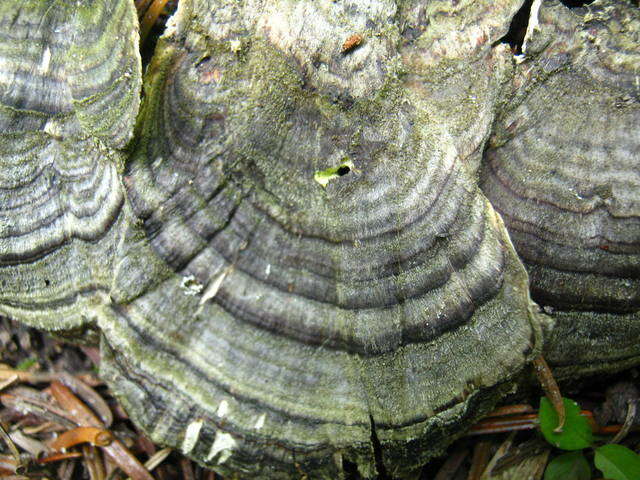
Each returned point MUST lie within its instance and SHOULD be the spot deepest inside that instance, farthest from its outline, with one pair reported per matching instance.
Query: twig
(479, 460)
(12, 446)
(628, 423)
(150, 18)
(551, 389)
(500, 453)
(94, 462)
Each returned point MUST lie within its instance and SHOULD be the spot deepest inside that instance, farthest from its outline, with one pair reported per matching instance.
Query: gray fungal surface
(292, 250)
(563, 170)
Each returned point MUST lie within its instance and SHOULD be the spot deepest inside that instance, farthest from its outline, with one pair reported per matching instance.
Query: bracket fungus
(565, 176)
(288, 261)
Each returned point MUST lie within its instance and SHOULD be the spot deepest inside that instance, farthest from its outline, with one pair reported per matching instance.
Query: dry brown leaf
(90, 397)
(58, 457)
(86, 418)
(94, 463)
(28, 400)
(93, 435)
(29, 444)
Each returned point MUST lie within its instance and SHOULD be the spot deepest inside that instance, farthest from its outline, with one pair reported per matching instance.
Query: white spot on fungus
(534, 24)
(46, 60)
(222, 445)
(214, 286)
(236, 45)
(260, 422)
(190, 285)
(191, 435)
(223, 409)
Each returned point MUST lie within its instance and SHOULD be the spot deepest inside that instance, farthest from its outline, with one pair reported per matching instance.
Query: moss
(26, 364)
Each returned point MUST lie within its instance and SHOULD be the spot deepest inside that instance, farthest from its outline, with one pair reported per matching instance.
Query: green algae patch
(323, 177)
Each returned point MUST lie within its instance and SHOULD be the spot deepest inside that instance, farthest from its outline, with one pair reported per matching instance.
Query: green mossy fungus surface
(262, 323)
(258, 123)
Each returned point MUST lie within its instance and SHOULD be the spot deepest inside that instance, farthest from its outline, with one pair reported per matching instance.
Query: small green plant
(616, 462)
(568, 466)
(576, 433)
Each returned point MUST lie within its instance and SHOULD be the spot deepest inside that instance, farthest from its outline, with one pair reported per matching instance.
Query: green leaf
(568, 466)
(618, 462)
(576, 433)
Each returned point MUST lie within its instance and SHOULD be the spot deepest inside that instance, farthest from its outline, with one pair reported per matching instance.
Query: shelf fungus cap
(70, 82)
(331, 282)
(302, 276)
(563, 170)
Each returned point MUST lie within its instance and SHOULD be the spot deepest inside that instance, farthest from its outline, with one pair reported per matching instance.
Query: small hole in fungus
(203, 60)
(323, 177)
(47, 283)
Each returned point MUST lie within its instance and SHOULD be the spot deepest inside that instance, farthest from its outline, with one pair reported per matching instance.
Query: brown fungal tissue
(269, 315)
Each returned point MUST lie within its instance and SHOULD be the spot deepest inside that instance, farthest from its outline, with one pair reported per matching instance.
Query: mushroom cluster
(296, 250)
